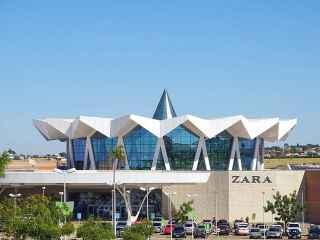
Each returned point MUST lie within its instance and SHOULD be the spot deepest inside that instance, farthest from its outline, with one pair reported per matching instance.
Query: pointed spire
(164, 109)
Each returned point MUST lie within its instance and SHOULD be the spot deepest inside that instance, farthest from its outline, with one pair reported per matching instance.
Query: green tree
(117, 155)
(184, 211)
(95, 230)
(36, 217)
(286, 208)
(4, 160)
(145, 228)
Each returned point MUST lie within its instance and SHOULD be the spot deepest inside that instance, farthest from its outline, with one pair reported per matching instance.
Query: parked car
(222, 222)
(255, 233)
(172, 221)
(168, 229)
(208, 227)
(242, 229)
(179, 232)
(236, 222)
(157, 227)
(279, 226)
(263, 228)
(274, 232)
(314, 232)
(293, 230)
(157, 219)
(189, 226)
(224, 229)
(200, 231)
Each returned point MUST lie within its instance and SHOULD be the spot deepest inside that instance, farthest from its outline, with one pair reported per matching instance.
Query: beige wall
(235, 199)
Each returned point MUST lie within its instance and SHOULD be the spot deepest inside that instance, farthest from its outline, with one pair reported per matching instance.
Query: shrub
(67, 229)
(131, 235)
(145, 228)
(95, 230)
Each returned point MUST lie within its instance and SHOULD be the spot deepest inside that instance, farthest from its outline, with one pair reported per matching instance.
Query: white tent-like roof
(270, 129)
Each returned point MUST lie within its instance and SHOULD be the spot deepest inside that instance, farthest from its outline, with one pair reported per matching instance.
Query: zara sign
(250, 179)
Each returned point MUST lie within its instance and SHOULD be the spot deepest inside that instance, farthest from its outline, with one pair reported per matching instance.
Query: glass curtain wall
(140, 145)
(246, 147)
(102, 146)
(181, 146)
(79, 148)
(219, 149)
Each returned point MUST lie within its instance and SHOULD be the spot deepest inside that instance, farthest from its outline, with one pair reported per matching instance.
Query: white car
(293, 226)
(189, 227)
(242, 229)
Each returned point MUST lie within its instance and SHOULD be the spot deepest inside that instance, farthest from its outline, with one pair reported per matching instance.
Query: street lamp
(148, 189)
(64, 173)
(273, 190)
(192, 218)
(15, 196)
(264, 225)
(61, 195)
(170, 209)
(43, 190)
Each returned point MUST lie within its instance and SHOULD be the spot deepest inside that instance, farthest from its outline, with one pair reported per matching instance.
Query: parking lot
(212, 236)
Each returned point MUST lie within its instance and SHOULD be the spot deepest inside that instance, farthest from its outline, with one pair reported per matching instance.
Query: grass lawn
(282, 163)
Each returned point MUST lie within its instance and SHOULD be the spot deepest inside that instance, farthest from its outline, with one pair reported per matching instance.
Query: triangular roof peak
(164, 108)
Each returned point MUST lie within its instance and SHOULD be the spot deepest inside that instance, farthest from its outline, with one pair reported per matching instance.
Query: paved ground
(163, 237)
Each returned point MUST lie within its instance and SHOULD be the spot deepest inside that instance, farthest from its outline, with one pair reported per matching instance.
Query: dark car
(294, 233)
(200, 231)
(179, 232)
(314, 232)
(224, 229)
(222, 222)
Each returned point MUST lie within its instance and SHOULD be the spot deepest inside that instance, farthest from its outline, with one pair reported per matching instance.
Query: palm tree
(4, 160)
(115, 156)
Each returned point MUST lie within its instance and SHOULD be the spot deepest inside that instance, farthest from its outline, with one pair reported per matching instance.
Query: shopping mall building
(216, 162)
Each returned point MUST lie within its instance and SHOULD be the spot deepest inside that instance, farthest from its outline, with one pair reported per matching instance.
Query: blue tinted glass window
(160, 162)
(218, 149)
(201, 163)
(140, 145)
(181, 146)
(246, 147)
(102, 146)
(79, 147)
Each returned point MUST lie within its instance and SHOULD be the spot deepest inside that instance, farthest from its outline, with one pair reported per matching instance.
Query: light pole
(61, 195)
(192, 218)
(302, 201)
(264, 225)
(64, 173)
(15, 196)
(148, 190)
(43, 188)
(170, 210)
(273, 190)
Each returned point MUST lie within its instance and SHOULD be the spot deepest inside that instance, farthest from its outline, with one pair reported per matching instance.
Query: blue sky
(110, 58)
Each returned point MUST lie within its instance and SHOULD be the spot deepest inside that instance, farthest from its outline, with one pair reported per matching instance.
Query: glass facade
(79, 148)
(160, 162)
(219, 149)
(201, 163)
(140, 145)
(181, 146)
(102, 146)
(99, 204)
(246, 147)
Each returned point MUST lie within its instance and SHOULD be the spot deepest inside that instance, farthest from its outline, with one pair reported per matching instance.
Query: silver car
(255, 233)
(274, 232)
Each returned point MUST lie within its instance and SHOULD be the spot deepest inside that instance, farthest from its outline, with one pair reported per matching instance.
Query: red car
(168, 229)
